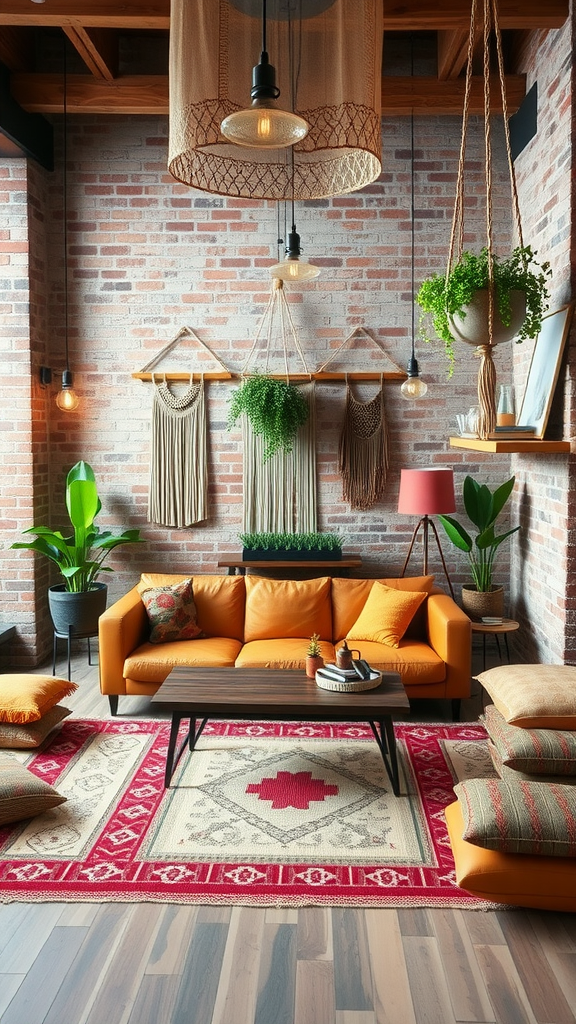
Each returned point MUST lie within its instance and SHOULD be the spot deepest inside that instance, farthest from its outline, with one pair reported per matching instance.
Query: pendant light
(263, 124)
(293, 268)
(67, 400)
(413, 387)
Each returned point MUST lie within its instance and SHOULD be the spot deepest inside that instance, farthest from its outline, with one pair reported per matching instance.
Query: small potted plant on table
(314, 659)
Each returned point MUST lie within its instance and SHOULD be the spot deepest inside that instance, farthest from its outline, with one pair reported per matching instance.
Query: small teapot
(344, 656)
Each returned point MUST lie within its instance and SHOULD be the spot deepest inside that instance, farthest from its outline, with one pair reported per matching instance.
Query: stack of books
(346, 680)
(512, 433)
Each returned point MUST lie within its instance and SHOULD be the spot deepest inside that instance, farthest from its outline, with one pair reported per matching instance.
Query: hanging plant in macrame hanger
(275, 408)
(483, 299)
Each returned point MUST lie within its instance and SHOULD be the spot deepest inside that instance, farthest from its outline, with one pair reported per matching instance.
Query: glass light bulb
(413, 387)
(264, 127)
(295, 270)
(67, 400)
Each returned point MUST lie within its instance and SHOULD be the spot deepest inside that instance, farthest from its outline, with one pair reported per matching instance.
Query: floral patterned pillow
(172, 613)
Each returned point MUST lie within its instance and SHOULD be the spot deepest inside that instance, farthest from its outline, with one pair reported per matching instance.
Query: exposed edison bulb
(295, 270)
(265, 127)
(413, 386)
(67, 400)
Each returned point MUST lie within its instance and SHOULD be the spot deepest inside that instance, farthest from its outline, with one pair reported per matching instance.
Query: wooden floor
(172, 964)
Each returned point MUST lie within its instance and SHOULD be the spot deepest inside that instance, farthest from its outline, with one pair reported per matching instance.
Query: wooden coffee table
(199, 694)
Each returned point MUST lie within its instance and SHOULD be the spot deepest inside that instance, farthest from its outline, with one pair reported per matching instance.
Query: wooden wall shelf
(535, 447)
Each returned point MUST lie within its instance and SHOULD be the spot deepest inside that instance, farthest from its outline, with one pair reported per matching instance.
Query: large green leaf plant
(482, 507)
(80, 557)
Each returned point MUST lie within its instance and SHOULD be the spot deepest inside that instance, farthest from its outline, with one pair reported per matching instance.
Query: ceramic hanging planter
(473, 327)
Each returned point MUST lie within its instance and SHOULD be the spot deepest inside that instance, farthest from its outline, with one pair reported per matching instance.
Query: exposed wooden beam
(452, 53)
(98, 48)
(399, 15)
(148, 94)
(423, 95)
(16, 48)
(128, 94)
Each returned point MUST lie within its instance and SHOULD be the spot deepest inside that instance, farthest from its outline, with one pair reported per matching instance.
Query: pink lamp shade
(426, 492)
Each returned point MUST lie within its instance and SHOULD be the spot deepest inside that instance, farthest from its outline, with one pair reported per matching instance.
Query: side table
(496, 630)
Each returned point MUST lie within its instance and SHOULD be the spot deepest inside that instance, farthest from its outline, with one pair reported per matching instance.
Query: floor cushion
(516, 879)
(32, 734)
(26, 697)
(533, 751)
(533, 696)
(22, 795)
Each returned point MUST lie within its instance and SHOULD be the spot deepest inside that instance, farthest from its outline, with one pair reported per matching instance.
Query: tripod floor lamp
(425, 493)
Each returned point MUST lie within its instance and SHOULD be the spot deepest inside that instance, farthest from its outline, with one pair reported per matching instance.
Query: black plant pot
(77, 614)
(290, 555)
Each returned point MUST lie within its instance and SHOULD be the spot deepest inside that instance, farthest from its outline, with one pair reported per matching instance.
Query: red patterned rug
(262, 814)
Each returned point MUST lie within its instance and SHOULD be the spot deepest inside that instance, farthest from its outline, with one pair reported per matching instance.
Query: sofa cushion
(285, 653)
(220, 601)
(536, 818)
(151, 663)
(287, 608)
(536, 751)
(386, 615)
(27, 697)
(350, 595)
(416, 662)
(171, 612)
(533, 696)
(32, 734)
(22, 795)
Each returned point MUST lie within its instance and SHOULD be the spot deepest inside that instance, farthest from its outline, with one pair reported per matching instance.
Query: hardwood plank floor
(174, 964)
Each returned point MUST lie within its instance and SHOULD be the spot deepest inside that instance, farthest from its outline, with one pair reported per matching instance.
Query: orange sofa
(253, 621)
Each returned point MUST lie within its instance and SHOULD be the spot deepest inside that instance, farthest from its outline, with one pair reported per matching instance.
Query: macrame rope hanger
(276, 306)
(487, 370)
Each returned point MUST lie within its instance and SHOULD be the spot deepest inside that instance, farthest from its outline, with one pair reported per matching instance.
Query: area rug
(261, 814)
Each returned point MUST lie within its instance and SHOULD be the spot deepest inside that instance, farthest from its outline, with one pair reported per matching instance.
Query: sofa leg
(113, 698)
(456, 709)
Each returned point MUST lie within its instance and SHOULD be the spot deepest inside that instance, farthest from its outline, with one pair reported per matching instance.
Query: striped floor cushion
(536, 751)
(521, 817)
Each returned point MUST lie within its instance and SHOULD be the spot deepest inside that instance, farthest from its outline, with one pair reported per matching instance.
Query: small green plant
(291, 541)
(482, 507)
(275, 409)
(314, 648)
(79, 558)
(442, 296)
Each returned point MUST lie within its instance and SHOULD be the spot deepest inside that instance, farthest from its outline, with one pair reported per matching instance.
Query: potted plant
(80, 599)
(482, 507)
(275, 408)
(287, 547)
(314, 659)
(458, 302)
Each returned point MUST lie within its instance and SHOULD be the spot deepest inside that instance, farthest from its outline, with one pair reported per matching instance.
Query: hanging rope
(178, 461)
(363, 450)
(276, 305)
(487, 371)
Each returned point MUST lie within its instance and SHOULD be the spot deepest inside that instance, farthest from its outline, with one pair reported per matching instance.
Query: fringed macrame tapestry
(178, 465)
(363, 450)
(280, 494)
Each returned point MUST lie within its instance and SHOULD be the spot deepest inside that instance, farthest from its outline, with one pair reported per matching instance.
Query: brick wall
(148, 256)
(543, 577)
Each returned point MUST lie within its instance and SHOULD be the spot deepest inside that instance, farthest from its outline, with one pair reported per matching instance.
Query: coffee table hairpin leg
(386, 740)
(190, 740)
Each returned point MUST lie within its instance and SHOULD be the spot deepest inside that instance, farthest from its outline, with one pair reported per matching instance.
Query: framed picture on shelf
(544, 370)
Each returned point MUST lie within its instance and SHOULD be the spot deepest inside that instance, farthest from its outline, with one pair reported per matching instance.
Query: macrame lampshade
(328, 67)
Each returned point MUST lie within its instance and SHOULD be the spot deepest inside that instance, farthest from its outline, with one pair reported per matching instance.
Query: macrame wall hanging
(178, 458)
(363, 455)
(280, 491)
(363, 451)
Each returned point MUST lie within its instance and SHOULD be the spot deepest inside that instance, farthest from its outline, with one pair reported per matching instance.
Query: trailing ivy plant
(275, 409)
(291, 541)
(443, 296)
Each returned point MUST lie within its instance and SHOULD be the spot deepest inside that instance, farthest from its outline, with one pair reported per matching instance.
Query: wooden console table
(236, 564)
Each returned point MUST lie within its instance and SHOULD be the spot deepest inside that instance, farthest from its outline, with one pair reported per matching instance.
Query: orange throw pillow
(386, 615)
(27, 697)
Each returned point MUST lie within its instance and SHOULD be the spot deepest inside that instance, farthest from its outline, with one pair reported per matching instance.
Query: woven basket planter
(479, 604)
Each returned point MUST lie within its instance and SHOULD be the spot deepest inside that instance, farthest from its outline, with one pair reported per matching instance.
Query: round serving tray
(350, 686)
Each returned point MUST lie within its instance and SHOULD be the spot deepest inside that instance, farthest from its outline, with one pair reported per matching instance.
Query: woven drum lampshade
(328, 68)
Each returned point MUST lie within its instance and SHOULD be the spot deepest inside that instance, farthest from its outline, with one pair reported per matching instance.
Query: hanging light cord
(264, 50)
(65, 202)
(412, 233)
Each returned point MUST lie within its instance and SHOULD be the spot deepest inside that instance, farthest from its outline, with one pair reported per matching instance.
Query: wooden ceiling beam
(148, 94)
(452, 53)
(399, 15)
(424, 95)
(98, 48)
